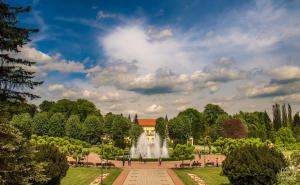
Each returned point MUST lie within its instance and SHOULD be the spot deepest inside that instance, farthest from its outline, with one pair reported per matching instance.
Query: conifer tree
(284, 116)
(16, 79)
(276, 116)
(135, 120)
(290, 119)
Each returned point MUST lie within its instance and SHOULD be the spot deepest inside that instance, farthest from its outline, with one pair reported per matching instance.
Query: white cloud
(286, 72)
(292, 98)
(154, 108)
(56, 87)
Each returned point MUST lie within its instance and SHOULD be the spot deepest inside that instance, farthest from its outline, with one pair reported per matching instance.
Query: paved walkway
(148, 177)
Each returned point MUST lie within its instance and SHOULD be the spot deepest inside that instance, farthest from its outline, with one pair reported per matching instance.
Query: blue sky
(160, 57)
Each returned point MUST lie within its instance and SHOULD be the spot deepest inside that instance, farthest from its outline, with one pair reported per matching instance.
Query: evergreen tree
(74, 127)
(166, 118)
(290, 119)
(129, 117)
(284, 116)
(276, 116)
(296, 120)
(15, 78)
(135, 120)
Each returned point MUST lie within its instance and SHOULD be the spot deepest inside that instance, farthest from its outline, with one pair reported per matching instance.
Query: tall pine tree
(290, 118)
(284, 116)
(15, 78)
(276, 116)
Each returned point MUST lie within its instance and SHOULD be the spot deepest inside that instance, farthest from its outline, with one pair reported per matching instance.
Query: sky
(160, 57)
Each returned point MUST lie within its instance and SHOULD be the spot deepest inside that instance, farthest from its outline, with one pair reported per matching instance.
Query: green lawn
(85, 175)
(210, 174)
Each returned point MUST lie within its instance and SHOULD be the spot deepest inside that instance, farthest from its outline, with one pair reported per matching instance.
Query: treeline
(214, 123)
(79, 119)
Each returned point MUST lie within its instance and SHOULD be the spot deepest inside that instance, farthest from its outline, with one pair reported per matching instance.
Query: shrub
(252, 165)
(56, 165)
(182, 152)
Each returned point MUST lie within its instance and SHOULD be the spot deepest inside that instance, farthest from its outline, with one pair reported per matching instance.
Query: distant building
(149, 128)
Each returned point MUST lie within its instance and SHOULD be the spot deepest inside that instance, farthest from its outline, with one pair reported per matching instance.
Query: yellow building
(149, 128)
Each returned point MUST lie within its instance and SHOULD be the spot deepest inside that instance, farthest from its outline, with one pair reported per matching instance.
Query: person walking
(123, 161)
(129, 161)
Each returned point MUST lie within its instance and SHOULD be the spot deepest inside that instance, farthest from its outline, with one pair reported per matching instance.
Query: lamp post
(101, 162)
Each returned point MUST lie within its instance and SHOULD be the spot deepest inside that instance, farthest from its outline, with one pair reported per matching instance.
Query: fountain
(148, 149)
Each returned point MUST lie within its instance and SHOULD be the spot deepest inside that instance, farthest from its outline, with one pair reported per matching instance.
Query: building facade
(149, 128)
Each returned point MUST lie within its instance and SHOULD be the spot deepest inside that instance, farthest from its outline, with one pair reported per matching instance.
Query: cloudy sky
(159, 57)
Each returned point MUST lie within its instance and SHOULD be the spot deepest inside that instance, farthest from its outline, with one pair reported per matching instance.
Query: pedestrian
(160, 160)
(123, 160)
(129, 161)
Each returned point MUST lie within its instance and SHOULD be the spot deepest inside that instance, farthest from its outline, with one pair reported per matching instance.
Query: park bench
(197, 164)
(210, 164)
(183, 165)
(105, 164)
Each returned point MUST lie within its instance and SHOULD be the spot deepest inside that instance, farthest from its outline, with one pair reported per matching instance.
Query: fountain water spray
(148, 149)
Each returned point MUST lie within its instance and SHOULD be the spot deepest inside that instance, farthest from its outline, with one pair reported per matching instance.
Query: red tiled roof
(147, 122)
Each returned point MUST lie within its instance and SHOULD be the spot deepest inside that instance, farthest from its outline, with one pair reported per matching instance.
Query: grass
(210, 175)
(85, 175)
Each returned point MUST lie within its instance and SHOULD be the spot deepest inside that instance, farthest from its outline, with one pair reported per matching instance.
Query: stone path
(148, 177)
(98, 179)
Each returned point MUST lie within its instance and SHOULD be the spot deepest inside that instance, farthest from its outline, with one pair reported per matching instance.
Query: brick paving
(148, 177)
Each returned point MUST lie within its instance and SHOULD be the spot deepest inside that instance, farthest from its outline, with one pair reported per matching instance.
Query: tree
(74, 127)
(108, 120)
(284, 116)
(284, 136)
(198, 125)
(296, 120)
(179, 129)
(212, 112)
(56, 163)
(8, 110)
(276, 117)
(252, 165)
(45, 106)
(135, 131)
(109, 152)
(161, 128)
(215, 131)
(17, 158)
(57, 125)
(119, 130)
(40, 125)
(16, 79)
(290, 118)
(135, 120)
(182, 152)
(234, 128)
(23, 122)
(93, 129)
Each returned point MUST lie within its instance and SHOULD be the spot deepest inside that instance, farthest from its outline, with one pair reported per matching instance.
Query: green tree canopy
(93, 129)
(234, 128)
(57, 125)
(135, 131)
(23, 122)
(197, 123)
(16, 78)
(74, 127)
(179, 129)
(17, 158)
(183, 152)
(252, 165)
(284, 136)
(40, 125)
(56, 164)
(119, 130)
(212, 112)
(161, 128)
(45, 106)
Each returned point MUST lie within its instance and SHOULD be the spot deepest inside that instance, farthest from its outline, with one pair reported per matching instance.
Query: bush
(182, 152)
(56, 164)
(252, 165)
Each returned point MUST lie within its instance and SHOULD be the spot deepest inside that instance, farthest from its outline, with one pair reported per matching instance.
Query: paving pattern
(148, 177)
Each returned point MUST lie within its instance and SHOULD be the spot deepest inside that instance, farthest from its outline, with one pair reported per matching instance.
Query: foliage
(296, 120)
(182, 152)
(161, 128)
(17, 158)
(56, 163)
(252, 165)
(227, 145)
(212, 112)
(22, 122)
(179, 129)
(295, 158)
(284, 116)
(45, 106)
(277, 117)
(57, 125)
(93, 129)
(135, 131)
(284, 137)
(74, 127)
(8, 110)
(40, 125)
(109, 152)
(16, 78)
(197, 122)
(80, 107)
(234, 128)
(119, 130)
